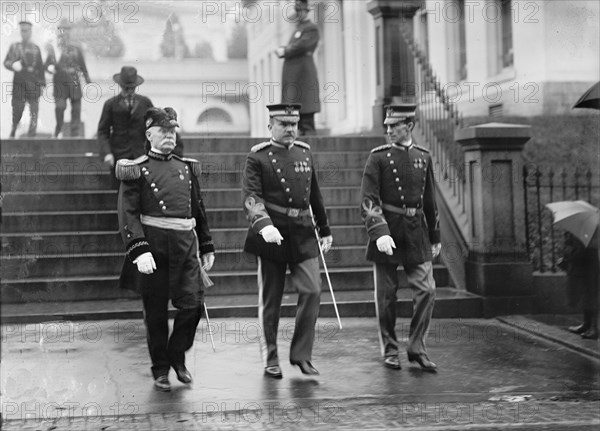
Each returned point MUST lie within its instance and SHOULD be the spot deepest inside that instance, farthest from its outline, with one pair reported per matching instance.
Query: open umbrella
(578, 217)
(590, 99)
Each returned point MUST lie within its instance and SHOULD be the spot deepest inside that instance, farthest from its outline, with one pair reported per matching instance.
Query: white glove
(435, 249)
(271, 234)
(385, 244)
(326, 243)
(17, 66)
(51, 68)
(110, 159)
(280, 52)
(208, 260)
(145, 263)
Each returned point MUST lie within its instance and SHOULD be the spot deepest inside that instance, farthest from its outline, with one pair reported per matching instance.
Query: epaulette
(193, 163)
(261, 146)
(418, 147)
(302, 144)
(381, 148)
(127, 170)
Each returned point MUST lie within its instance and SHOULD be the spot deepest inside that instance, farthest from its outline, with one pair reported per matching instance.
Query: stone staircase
(60, 241)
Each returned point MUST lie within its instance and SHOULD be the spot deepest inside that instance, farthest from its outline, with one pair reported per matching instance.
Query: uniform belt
(172, 223)
(411, 212)
(290, 212)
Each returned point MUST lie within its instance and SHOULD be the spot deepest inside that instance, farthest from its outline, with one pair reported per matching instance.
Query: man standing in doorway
(280, 187)
(300, 83)
(25, 60)
(400, 213)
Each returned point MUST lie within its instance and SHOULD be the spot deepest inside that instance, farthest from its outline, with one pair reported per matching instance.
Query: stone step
(48, 167)
(60, 221)
(19, 182)
(71, 243)
(95, 263)
(450, 303)
(90, 287)
(192, 144)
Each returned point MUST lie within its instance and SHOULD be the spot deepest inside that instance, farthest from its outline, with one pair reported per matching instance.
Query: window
(506, 38)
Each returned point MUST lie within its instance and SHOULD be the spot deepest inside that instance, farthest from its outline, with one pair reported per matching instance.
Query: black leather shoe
(183, 375)
(306, 367)
(423, 361)
(273, 371)
(392, 362)
(161, 383)
(590, 334)
(579, 329)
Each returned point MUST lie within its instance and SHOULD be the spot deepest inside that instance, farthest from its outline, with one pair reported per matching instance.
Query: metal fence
(545, 243)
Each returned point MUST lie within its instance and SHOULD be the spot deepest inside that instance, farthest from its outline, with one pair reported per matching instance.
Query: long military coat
(300, 82)
(402, 178)
(163, 186)
(287, 178)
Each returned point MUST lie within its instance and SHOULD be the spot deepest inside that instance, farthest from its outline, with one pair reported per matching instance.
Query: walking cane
(326, 270)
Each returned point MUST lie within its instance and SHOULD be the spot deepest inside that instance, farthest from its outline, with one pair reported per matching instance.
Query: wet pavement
(492, 375)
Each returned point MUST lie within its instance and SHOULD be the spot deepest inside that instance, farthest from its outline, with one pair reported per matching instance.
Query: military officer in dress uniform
(25, 59)
(279, 188)
(300, 81)
(162, 222)
(67, 64)
(399, 211)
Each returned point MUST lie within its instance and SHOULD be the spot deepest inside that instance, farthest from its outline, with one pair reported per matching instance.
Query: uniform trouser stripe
(261, 341)
(420, 280)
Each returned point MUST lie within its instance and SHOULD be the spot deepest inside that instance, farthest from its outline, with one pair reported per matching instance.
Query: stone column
(394, 63)
(497, 266)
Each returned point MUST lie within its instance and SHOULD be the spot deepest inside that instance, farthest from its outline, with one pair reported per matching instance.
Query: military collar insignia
(302, 144)
(403, 147)
(159, 156)
(280, 145)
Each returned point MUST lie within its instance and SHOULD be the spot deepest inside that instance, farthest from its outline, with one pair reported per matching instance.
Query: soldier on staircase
(280, 185)
(163, 224)
(399, 211)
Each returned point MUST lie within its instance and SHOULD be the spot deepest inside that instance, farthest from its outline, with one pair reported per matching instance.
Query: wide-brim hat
(159, 117)
(128, 77)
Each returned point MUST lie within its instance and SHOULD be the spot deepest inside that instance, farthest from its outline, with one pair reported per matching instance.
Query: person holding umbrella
(580, 259)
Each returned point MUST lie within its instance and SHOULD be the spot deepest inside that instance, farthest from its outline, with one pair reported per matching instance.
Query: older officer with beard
(401, 217)
(280, 183)
(163, 225)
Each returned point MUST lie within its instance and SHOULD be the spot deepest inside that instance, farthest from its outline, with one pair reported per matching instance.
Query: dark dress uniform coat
(403, 178)
(163, 186)
(29, 82)
(68, 69)
(287, 178)
(300, 82)
(122, 131)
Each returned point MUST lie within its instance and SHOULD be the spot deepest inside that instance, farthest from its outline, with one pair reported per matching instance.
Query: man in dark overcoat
(279, 188)
(25, 60)
(121, 129)
(300, 82)
(67, 64)
(400, 213)
(163, 225)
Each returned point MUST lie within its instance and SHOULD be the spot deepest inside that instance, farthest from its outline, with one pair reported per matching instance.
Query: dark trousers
(271, 279)
(168, 351)
(59, 109)
(420, 280)
(18, 106)
(306, 125)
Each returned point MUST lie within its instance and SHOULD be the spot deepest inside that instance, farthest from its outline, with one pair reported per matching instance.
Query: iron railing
(545, 243)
